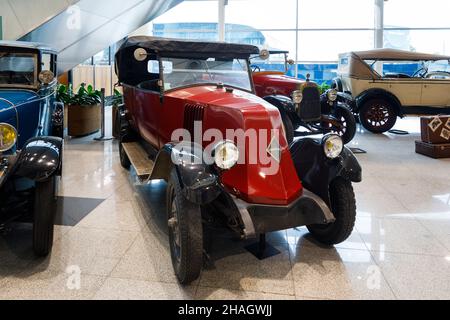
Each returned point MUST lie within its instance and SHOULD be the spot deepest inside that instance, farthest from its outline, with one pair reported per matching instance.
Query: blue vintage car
(31, 144)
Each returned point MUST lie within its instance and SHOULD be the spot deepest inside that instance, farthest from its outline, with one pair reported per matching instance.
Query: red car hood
(254, 182)
(269, 83)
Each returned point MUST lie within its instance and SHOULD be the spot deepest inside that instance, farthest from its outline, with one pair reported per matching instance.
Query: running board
(139, 159)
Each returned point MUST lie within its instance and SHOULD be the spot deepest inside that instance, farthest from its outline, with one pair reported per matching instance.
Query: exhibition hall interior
(224, 150)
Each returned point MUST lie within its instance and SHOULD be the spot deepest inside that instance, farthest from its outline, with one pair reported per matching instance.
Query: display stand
(102, 130)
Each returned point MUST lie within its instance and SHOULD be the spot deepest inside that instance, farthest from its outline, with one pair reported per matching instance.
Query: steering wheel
(255, 68)
(420, 73)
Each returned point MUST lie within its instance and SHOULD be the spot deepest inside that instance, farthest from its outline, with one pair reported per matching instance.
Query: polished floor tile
(118, 247)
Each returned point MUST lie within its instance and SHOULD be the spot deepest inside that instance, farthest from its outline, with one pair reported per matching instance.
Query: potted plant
(117, 99)
(84, 109)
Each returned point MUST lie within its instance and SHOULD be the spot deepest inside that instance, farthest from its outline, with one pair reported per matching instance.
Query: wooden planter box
(83, 120)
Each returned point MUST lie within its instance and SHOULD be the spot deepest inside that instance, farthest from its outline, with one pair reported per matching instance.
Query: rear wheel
(185, 232)
(378, 115)
(343, 207)
(124, 160)
(44, 216)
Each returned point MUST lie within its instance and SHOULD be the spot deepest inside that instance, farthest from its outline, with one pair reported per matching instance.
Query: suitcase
(435, 129)
(436, 151)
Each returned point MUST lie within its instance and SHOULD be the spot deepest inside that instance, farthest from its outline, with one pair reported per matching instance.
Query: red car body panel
(223, 110)
(272, 82)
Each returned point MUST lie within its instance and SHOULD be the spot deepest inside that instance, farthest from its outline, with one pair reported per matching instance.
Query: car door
(407, 91)
(436, 93)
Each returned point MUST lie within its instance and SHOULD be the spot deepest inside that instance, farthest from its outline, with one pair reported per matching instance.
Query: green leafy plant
(117, 98)
(86, 96)
(324, 87)
(63, 93)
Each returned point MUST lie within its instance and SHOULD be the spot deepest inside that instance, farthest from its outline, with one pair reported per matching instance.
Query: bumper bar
(307, 210)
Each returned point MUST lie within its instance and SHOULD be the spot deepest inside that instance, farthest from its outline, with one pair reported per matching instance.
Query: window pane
(262, 14)
(417, 13)
(429, 41)
(191, 11)
(327, 45)
(336, 14)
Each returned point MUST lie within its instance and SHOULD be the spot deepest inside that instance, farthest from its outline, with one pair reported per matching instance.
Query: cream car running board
(139, 159)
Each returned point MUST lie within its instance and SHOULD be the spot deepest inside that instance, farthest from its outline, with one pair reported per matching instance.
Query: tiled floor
(400, 248)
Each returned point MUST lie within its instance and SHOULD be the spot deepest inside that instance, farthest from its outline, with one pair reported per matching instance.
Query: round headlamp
(8, 137)
(46, 77)
(332, 95)
(297, 96)
(332, 146)
(226, 155)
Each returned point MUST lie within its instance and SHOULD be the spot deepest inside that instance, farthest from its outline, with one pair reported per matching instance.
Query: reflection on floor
(399, 249)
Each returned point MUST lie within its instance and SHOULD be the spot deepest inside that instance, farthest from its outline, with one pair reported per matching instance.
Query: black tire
(58, 131)
(124, 160)
(44, 216)
(288, 127)
(344, 209)
(378, 115)
(349, 121)
(185, 232)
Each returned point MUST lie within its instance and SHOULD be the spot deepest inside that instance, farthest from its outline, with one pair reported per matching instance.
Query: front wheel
(347, 124)
(343, 206)
(44, 216)
(185, 232)
(377, 115)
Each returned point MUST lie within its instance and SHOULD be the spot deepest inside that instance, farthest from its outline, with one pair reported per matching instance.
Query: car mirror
(140, 54)
(46, 77)
(291, 62)
(264, 54)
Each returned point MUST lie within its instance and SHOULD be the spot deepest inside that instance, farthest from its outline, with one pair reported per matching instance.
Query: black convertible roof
(188, 48)
(131, 71)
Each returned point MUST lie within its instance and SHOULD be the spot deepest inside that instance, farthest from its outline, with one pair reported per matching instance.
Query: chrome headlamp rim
(11, 145)
(332, 95)
(232, 152)
(297, 96)
(336, 148)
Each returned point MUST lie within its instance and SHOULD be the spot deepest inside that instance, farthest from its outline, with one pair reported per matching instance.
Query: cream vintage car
(366, 81)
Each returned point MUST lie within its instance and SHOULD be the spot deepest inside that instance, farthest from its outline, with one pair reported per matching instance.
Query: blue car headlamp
(8, 137)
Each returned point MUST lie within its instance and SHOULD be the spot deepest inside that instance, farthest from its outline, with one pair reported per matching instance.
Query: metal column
(221, 26)
(379, 24)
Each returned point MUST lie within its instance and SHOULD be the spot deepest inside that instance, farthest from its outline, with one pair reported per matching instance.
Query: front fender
(316, 171)
(40, 158)
(199, 181)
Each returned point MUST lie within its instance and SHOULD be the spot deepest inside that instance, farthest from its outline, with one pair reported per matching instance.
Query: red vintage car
(191, 117)
(298, 101)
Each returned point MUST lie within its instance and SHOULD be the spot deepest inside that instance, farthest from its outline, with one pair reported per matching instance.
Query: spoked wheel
(44, 216)
(343, 207)
(185, 232)
(346, 127)
(377, 116)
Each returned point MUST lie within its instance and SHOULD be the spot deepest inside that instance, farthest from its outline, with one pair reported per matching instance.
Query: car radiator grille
(310, 107)
(192, 113)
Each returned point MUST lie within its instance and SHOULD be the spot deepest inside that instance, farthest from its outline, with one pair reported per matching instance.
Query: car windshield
(187, 72)
(17, 69)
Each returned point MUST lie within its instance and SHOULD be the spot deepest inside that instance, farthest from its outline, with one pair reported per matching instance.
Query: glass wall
(313, 32)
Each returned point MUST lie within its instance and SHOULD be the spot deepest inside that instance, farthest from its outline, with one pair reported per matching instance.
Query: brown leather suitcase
(436, 151)
(435, 129)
